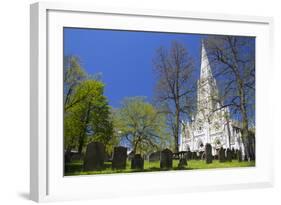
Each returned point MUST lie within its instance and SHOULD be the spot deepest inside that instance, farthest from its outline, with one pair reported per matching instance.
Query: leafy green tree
(74, 74)
(140, 124)
(86, 110)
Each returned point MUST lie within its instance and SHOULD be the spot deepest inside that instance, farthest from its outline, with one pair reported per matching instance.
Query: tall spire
(205, 71)
(207, 88)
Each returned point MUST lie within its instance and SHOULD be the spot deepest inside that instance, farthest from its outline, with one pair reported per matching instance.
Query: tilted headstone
(137, 162)
(222, 155)
(208, 153)
(155, 156)
(94, 157)
(166, 159)
(119, 158)
(228, 155)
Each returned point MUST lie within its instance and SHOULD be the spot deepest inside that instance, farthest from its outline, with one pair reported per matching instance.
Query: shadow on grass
(76, 167)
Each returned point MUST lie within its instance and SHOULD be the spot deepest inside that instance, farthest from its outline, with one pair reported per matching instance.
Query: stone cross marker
(137, 162)
(119, 158)
(208, 153)
(166, 159)
(94, 157)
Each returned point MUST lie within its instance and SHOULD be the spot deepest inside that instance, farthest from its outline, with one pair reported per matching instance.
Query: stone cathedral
(210, 124)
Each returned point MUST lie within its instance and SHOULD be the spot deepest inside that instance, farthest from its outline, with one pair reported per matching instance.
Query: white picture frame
(47, 182)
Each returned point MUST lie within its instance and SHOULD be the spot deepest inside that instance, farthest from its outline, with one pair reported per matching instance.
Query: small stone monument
(182, 163)
(166, 159)
(189, 155)
(94, 157)
(228, 155)
(119, 158)
(194, 155)
(222, 155)
(137, 162)
(239, 155)
(208, 153)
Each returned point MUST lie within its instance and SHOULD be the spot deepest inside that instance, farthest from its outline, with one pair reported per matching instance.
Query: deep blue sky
(124, 58)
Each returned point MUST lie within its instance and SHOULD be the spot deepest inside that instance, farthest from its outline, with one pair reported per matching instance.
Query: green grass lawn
(76, 167)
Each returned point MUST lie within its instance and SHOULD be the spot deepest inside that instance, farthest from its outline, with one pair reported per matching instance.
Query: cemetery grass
(76, 167)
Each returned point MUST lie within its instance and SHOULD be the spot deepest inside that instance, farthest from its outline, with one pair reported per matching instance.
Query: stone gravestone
(67, 157)
(189, 155)
(137, 162)
(228, 155)
(94, 157)
(119, 158)
(222, 155)
(166, 159)
(233, 154)
(208, 153)
(201, 155)
(155, 156)
(194, 155)
(239, 155)
(182, 163)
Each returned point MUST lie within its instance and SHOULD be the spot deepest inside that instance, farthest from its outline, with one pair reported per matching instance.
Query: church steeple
(207, 88)
(205, 71)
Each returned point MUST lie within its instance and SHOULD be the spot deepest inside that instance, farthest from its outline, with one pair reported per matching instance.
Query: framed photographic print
(128, 102)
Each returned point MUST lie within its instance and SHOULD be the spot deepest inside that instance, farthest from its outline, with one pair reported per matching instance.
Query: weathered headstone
(222, 155)
(94, 157)
(239, 155)
(119, 158)
(67, 157)
(137, 162)
(201, 155)
(194, 155)
(182, 163)
(189, 155)
(228, 155)
(155, 156)
(166, 159)
(208, 153)
(233, 155)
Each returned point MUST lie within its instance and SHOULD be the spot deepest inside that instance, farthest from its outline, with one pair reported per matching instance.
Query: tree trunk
(176, 134)
(245, 131)
(83, 133)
